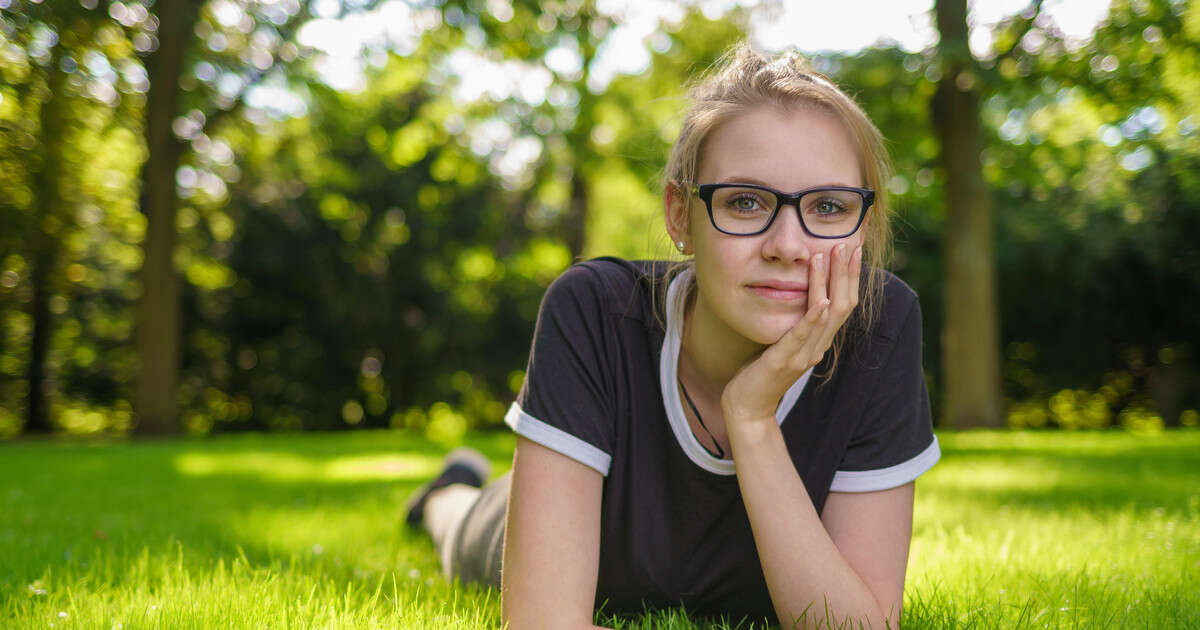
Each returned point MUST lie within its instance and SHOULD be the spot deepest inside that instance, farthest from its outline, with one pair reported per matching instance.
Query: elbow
(541, 620)
(884, 617)
(877, 618)
(815, 616)
(544, 623)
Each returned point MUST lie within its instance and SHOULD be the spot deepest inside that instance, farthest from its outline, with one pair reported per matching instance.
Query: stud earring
(680, 245)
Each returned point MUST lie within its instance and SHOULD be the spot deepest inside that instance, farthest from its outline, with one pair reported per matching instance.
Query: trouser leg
(445, 510)
(470, 531)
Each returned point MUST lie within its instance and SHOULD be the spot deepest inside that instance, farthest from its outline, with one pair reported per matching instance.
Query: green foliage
(634, 124)
(1095, 178)
(67, 201)
(373, 257)
(1092, 155)
(1012, 530)
(401, 284)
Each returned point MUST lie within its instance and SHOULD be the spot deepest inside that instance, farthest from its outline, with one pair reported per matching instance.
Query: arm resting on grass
(847, 564)
(551, 542)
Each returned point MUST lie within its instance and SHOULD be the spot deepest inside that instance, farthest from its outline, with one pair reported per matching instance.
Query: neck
(711, 353)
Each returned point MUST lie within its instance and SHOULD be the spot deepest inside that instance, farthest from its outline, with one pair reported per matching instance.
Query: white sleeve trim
(886, 478)
(556, 439)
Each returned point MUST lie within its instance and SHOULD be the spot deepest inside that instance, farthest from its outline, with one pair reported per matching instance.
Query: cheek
(826, 247)
(721, 254)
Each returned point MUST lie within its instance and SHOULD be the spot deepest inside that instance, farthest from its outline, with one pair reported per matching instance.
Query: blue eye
(745, 203)
(829, 206)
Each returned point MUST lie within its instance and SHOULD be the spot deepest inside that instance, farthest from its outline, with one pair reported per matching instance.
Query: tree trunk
(575, 228)
(158, 334)
(44, 244)
(1168, 386)
(970, 337)
(579, 139)
(37, 417)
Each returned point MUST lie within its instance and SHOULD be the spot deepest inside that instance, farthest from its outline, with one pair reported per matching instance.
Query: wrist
(738, 408)
(748, 426)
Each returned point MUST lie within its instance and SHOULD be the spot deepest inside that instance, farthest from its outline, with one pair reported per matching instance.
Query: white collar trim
(668, 368)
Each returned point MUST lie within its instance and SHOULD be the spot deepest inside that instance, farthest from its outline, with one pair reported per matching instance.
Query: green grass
(1025, 530)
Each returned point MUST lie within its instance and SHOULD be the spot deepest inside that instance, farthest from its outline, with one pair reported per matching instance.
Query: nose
(786, 241)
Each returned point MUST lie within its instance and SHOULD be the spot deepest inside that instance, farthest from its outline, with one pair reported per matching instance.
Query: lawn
(1012, 530)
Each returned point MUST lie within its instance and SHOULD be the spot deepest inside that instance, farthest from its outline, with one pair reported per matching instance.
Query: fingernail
(819, 261)
(840, 249)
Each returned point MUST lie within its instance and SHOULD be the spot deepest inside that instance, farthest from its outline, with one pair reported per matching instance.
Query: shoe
(462, 465)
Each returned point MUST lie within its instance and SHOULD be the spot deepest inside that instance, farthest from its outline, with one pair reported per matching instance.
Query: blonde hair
(744, 79)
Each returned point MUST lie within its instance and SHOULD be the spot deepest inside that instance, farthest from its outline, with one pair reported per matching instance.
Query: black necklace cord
(720, 454)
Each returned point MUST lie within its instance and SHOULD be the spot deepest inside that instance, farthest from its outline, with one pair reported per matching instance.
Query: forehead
(788, 149)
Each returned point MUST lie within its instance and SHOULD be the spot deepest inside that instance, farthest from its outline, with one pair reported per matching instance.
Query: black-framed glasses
(749, 209)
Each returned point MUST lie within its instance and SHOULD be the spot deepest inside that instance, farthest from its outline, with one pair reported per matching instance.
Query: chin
(770, 330)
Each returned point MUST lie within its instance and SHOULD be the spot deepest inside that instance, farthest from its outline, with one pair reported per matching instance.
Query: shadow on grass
(1105, 472)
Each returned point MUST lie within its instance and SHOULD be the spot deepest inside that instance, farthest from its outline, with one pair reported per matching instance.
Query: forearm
(551, 541)
(807, 576)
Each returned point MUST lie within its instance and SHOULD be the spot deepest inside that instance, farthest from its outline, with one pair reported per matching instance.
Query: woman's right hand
(551, 541)
(754, 392)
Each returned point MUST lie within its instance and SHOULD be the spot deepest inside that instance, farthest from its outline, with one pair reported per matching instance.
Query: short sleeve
(894, 442)
(566, 401)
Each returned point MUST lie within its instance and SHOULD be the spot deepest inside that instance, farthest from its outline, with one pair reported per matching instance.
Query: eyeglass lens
(829, 213)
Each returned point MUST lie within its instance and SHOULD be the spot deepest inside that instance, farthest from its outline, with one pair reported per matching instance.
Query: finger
(824, 330)
(818, 300)
(807, 342)
(795, 338)
(818, 303)
(855, 274)
(844, 296)
(818, 278)
(800, 347)
(785, 354)
(795, 343)
(822, 335)
(839, 280)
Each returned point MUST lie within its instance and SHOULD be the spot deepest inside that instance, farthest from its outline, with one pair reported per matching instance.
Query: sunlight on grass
(288, 467)
(169, 590)
(1012, 530)
(1062, 530)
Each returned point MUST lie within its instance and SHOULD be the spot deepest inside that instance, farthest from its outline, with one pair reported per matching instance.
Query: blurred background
(230, 215)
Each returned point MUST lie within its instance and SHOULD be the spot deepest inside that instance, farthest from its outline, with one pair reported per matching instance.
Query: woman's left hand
(751, 397)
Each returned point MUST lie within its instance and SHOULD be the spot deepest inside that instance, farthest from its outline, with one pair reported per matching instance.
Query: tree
(528, 32)
(970, 334)
(53, 44)
(158, 309)
(50, 217)
(1099, 144)
(244, 43)
(377, 255)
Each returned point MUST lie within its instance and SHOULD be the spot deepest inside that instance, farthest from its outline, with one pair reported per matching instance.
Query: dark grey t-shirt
(674, 530)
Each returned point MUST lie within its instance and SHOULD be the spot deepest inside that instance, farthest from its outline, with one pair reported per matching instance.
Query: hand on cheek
(832, 296)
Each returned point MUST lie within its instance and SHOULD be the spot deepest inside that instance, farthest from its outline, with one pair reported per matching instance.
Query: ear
(676, 210)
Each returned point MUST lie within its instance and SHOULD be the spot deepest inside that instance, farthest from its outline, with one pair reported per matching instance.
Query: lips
(780, 290)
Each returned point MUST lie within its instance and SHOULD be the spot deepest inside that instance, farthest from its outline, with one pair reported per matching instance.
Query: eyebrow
(745, 179)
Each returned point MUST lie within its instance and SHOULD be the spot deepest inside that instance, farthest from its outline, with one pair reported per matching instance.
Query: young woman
(739, 434)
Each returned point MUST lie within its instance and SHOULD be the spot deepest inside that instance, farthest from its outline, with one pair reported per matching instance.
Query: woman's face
(756, 286)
